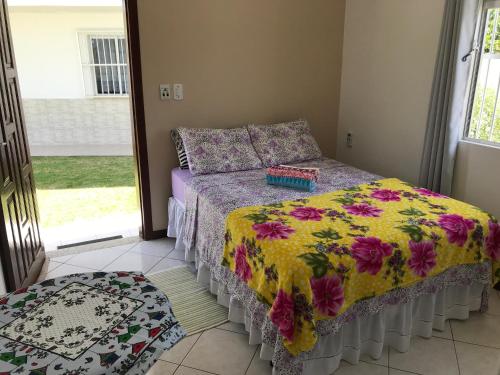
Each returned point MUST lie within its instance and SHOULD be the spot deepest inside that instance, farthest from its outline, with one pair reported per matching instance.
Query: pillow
(179, 146)
(219, 150)
(288, 142)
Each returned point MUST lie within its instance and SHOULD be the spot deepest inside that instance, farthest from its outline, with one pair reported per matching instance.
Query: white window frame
(88, 65)
(476, 60)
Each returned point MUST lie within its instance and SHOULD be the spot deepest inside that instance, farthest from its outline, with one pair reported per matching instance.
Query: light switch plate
(178, 91)
(165, 93)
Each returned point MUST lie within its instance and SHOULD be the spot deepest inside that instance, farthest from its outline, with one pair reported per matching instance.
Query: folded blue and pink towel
(293, 177)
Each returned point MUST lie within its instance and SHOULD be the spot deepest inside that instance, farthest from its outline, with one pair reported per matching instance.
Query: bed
(219, 215)
(210, 198)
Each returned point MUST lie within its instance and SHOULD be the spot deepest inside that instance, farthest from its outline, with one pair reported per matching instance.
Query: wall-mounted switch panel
(178, 91)
(165, 93)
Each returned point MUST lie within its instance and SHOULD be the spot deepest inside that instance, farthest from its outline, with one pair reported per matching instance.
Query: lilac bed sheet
(180, 178)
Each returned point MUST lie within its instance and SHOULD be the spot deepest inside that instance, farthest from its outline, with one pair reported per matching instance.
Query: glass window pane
(120, 49)
(109, 53)
(95, 58)
(124, 73)
(112, 50)
(98, 80)
(100, 51)
(485, 112)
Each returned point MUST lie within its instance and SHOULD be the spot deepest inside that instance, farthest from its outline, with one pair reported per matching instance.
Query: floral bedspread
(312, 258)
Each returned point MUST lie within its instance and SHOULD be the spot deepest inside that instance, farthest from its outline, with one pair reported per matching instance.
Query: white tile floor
(126, 225)
(464, 348)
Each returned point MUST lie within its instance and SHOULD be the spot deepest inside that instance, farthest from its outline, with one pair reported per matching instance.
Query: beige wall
(240, 61)
(388, 64)
(388, 67)
(477, 178)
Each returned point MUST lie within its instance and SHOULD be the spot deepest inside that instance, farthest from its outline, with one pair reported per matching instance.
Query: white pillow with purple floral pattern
(219, 150)
(288, 142)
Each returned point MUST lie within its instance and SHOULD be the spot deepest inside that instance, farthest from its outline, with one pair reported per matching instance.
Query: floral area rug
(92, 323)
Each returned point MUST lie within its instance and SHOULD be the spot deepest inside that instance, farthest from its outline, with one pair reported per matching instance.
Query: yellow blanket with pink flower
(312, 259)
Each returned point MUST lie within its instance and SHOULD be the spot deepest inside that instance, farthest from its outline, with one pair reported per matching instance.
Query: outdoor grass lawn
(83, 187)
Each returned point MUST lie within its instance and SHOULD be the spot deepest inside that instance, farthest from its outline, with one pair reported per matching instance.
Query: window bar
(494, 33)
(99, 58)
(494, 116)
(125, 64)
(492, 43)
(108, 42)
(117, 50)
(109, 64)
(91, 64)
(480, 117)
(103, 61)
(97, 64)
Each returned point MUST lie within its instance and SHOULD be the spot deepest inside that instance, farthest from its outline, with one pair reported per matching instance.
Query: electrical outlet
(348, 140)
(165, 93)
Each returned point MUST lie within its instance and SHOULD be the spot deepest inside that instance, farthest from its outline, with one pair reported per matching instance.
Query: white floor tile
(259, 366)
(362, 368)
(133, 262)
(482, 329)
(53, 265)
(159, 248)
(233, 327)
(180, 350)
(67, 269)
(183, 370)
(446, 334)
(383, 360)
(475, 360)
(162, 368)
(393, 371)
(49, 266)
(165, 264)
(494, 303)
(177, 254)
(98, 259)
(434, 356)
(221, 352)
(63, 259)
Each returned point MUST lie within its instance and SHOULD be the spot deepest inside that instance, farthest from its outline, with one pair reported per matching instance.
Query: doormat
(89, 242)
(78, 249)
(194, 306)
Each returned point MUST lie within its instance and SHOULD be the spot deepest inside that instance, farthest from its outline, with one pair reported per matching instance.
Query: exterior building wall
(95, 126)
(60, 118)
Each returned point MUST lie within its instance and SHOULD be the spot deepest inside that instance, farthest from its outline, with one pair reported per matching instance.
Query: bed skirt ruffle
(393, 326)
(176, 227)
(390, 322)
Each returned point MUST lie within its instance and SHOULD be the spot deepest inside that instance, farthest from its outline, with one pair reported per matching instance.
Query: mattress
(180, 178)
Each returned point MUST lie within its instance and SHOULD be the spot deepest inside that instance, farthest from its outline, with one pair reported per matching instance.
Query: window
(104, 61)
(484, 103)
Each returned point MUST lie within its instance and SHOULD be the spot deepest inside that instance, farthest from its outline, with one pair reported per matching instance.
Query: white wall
(47, 49)
(389, 56)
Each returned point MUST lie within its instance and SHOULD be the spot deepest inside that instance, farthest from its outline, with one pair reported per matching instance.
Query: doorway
(21, 248)
(73, 68)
